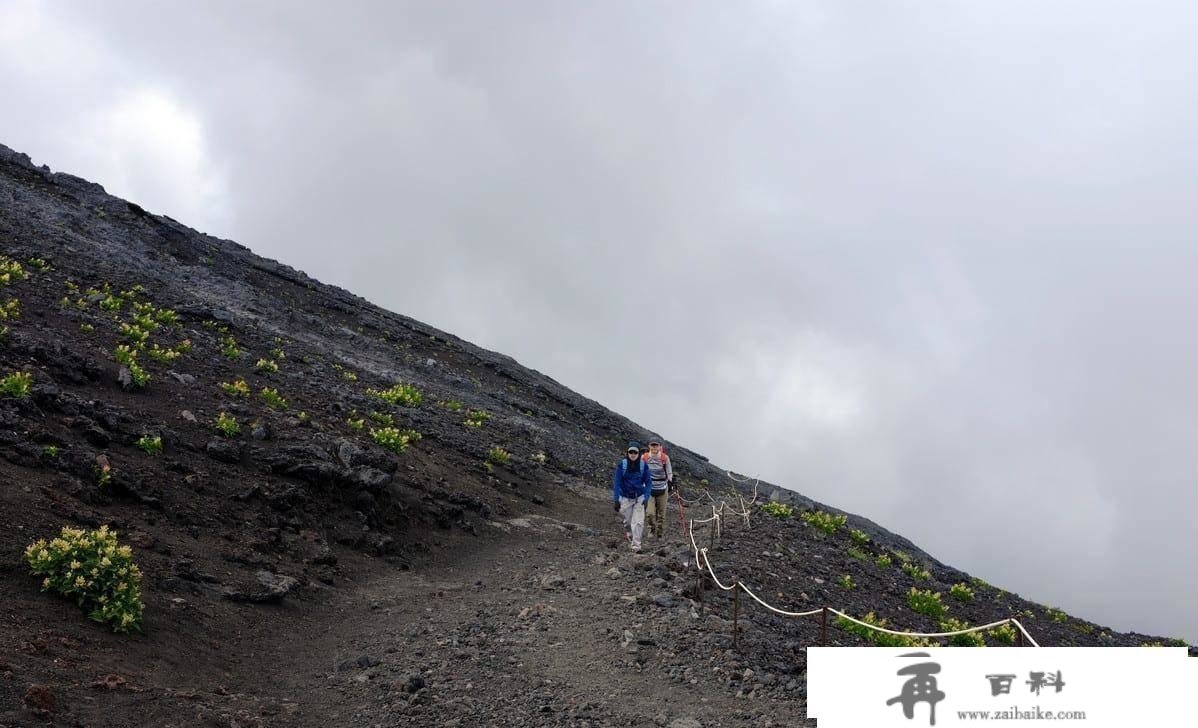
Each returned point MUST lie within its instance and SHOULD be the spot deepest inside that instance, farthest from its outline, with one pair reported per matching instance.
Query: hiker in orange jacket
(662, 474)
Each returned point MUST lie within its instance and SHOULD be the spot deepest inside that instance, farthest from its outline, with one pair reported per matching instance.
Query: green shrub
(349, 376)
(883, 561)
(93, 569)
(124, 354)
(1003, 634)
(151, 445)
(226, 424)
(112, 303)
(915, 571)
(781, 510)
(278, 353)
(902, 556)
(539, 458)
(228, 347)
(39, 264)
(304, 418)
(50, 451)
(452, 405)
(826, 522)
(139, 376)
(476, 418)
(1056, 615)
(960, 592)
(134, 334)
(1168, 642)
(381, 418)
(162, 355)
(267, 366)
(498, 456)
(86, 328)
(10, 310)
(272, 398)
(236, 388)
(859, 537)
(879, 639)
(144, 317)
(401, 394)
(393, 439)
(925, 602)
(858, 554)
(356, 423)
(11, 271)
(16, 385)
(846, 582)
(166, 317)
(968, 639)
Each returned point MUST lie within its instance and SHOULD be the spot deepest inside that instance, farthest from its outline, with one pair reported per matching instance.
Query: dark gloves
(615, 506)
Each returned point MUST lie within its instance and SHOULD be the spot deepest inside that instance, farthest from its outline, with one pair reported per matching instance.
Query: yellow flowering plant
(92, 568)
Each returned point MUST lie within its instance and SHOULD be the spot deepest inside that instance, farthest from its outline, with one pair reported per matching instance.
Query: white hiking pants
(633, 512)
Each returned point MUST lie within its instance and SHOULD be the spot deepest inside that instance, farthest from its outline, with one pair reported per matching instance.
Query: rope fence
(701, 561)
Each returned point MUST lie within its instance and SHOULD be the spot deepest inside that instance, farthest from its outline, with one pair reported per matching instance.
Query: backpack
(664, 458)
(624, 466)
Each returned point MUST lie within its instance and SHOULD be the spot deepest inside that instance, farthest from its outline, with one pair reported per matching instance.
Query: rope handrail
(701, 553)
(1026, 634)
(783, 612)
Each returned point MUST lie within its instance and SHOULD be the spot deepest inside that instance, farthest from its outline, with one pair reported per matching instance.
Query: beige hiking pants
(656, 513)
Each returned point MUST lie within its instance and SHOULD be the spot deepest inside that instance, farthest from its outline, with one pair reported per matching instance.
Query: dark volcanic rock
(270, 587)
(225, 451)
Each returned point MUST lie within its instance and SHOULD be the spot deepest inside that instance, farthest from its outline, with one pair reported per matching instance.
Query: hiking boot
(635, 547)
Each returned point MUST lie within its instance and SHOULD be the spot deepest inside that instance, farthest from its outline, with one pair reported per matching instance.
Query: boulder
(270, 587)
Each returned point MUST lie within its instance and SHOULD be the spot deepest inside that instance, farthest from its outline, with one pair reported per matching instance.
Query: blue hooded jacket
(629, 482)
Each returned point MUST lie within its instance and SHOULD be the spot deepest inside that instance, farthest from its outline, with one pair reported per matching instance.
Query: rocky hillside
(343, 515)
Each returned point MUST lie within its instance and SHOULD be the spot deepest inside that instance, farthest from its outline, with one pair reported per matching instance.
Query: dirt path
(547, 624)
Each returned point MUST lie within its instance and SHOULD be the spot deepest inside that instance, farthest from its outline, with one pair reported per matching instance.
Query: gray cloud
(929, 262)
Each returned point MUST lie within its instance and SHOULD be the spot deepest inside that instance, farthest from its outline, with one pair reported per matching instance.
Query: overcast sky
(930, 262)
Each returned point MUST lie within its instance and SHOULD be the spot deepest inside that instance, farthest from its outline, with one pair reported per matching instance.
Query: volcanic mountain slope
(319, 564)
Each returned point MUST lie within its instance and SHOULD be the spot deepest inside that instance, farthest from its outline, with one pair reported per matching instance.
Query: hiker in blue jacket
(631, 485)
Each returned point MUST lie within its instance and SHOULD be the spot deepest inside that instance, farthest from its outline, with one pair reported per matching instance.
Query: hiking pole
(823, 627)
